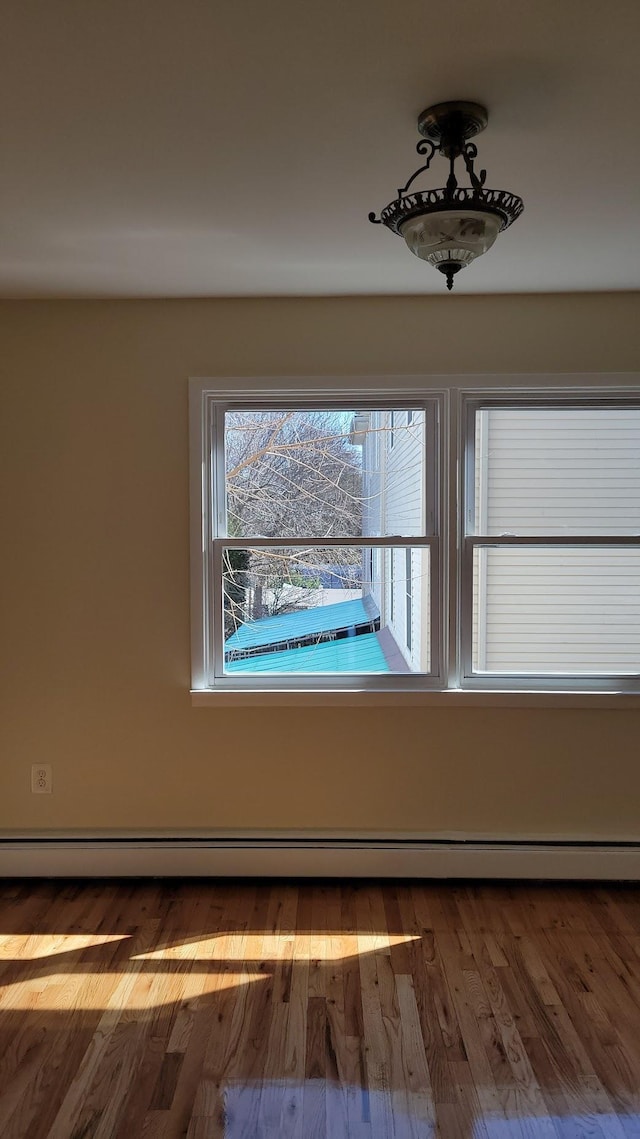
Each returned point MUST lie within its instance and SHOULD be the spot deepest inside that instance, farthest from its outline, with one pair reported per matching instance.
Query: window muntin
(289, 485)
(551, 550)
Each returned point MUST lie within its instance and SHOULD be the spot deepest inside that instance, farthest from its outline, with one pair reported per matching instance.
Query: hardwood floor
(198, 1009)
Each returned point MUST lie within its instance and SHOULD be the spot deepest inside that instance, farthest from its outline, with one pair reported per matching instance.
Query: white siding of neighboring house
(393, 484)
(557, 472)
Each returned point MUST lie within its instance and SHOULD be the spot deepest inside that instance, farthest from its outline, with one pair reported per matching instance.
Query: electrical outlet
(41, 778)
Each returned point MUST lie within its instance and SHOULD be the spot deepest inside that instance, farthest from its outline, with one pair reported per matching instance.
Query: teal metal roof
(299, 625)
(351, 654)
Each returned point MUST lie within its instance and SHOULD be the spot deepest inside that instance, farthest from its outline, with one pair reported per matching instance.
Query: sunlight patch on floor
(33, 946)
(59, 993)
(272, 947)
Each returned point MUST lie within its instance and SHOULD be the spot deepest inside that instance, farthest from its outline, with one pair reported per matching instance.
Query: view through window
(325, 513)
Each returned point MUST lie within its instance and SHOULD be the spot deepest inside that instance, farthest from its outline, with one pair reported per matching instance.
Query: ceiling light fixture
(451, 226)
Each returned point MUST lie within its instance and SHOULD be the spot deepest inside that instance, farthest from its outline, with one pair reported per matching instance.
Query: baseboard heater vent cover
(317, 858)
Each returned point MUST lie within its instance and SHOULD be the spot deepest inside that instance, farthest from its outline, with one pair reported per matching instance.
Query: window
(552, 542)
(324, 558)
(303, 516)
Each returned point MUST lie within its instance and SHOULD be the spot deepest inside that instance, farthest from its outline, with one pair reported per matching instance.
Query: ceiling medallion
(451, 226)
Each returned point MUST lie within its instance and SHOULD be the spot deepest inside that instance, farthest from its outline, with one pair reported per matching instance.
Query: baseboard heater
(317, 858)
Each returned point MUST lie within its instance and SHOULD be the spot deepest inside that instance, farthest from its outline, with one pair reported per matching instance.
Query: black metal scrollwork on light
(425, 146)
(469, 152)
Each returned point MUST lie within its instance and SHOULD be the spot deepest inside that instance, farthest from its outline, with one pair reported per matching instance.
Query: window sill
(382, 698)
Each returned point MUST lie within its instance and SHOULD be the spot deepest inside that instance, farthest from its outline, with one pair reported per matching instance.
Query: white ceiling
(235, 147)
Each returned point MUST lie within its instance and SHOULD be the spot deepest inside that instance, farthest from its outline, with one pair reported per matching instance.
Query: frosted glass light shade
(448, 236)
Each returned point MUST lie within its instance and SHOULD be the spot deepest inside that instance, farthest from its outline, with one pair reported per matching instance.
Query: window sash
(432, 480)
(532, 680)
(216, 611)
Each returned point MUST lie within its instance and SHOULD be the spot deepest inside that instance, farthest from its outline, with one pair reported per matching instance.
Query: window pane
(338, 610)
(562, 610)
(557, 471)
(324, 474)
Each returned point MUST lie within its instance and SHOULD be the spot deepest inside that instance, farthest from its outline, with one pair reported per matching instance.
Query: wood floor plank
(294, 1054)
(377, 1059)
(436, 1053)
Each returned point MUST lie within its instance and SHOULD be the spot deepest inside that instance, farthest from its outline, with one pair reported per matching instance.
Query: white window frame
(451, 546)
(208, 407)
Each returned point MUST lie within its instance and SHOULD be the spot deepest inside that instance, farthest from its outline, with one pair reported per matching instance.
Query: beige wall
(95, 584)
